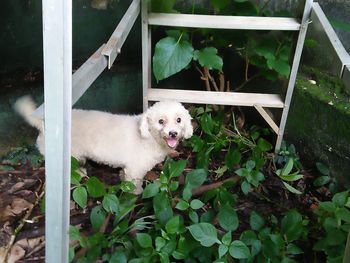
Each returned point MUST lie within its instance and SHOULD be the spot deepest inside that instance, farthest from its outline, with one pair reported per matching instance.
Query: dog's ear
(144, 126)
(188, 127)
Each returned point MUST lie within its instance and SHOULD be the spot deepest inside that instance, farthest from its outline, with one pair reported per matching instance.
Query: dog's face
(168, 122)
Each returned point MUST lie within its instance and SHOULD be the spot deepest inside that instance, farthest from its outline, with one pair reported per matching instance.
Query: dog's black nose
(173, 134)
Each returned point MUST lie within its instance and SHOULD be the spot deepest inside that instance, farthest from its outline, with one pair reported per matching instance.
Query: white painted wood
(294, 71)
(267, 118)
(146, 54)
(219, 98)
(116, 41)
(224, 22)
(342, 55)
(57, 45)
(346, 78)
(82, 78)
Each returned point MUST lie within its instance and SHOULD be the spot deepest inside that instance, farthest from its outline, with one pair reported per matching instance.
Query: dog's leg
(132, 175)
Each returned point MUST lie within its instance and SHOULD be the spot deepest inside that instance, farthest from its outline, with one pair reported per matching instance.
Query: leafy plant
(287, 176)
(251, 176)
(268, 54)
(334, 221)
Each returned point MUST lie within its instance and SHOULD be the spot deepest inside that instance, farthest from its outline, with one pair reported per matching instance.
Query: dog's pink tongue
(171, 142)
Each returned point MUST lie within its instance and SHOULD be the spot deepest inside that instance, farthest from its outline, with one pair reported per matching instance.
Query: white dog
(135, 143)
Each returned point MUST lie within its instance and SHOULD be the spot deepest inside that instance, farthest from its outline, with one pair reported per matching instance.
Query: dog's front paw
(138, 188)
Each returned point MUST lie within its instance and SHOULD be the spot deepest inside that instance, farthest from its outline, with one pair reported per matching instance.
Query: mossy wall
(319, 122)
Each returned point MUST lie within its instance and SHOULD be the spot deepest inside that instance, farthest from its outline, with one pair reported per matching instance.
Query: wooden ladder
(257, 100)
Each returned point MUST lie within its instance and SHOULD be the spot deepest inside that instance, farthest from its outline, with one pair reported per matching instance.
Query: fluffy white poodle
(136, 143)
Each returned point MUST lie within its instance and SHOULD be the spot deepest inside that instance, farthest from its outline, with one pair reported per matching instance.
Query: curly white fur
(136, 143)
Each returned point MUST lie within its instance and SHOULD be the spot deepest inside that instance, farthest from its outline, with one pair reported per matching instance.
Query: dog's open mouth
(171, 142)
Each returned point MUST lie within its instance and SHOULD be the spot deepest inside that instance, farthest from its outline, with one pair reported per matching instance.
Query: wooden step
(218, 98)
(224, 22)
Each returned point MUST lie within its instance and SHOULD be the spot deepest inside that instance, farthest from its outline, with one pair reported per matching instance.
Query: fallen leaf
(23, 247)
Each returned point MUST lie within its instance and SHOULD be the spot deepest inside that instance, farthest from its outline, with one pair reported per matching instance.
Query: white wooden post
(57, 42)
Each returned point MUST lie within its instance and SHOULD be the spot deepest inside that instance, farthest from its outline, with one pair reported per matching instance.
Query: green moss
(328, 89)
(319, 122)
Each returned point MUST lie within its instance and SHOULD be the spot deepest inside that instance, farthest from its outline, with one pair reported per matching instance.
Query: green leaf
(227, 238)
(280, 66)
(327, 206)
(294, 250)
(291, 177)
(144, 240)
(250, 165)
(193, 180)
(335, 237)
(228, 218)
(111, 203)
(161, 6)
(208, 58)
(151, 190)
(291, 189)
(176, 168)
(288, 167)
(343, 214)
(256, 221)
(239, 250)
(95, 187)
(267, 49)
(222, 250)
(160, 243)
(97, 217)
(339, 199)
(245, 187)
(162, 208)
(182, 205)
(205, 233)
(174, 185)
(292, 225)
(248, 237)
(264, 145)
(71, 254)
(196, 204)
(127, 186)
(171, 56)
(73, 233)
(256, 247)
(196, 178)
(232, 158)
(322, 168)
(322, 180)
(75, 178)
(74, 163)
(80, 196)
(207, 123)
(118, 256)
(174, 225)
(193, 216)
(220, 4)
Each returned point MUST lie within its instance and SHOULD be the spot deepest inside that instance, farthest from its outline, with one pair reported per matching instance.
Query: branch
(205, 188)
(246, 82)
(203, 77)
(212, 80)
(222, 82)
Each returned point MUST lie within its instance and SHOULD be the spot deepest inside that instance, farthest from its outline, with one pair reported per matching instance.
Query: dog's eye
(161, 121)
(178, 120)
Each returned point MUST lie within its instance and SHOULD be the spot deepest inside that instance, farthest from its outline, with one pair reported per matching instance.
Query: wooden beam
(218, 98)
(116, 41)
(224, 22)
(267, 118)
